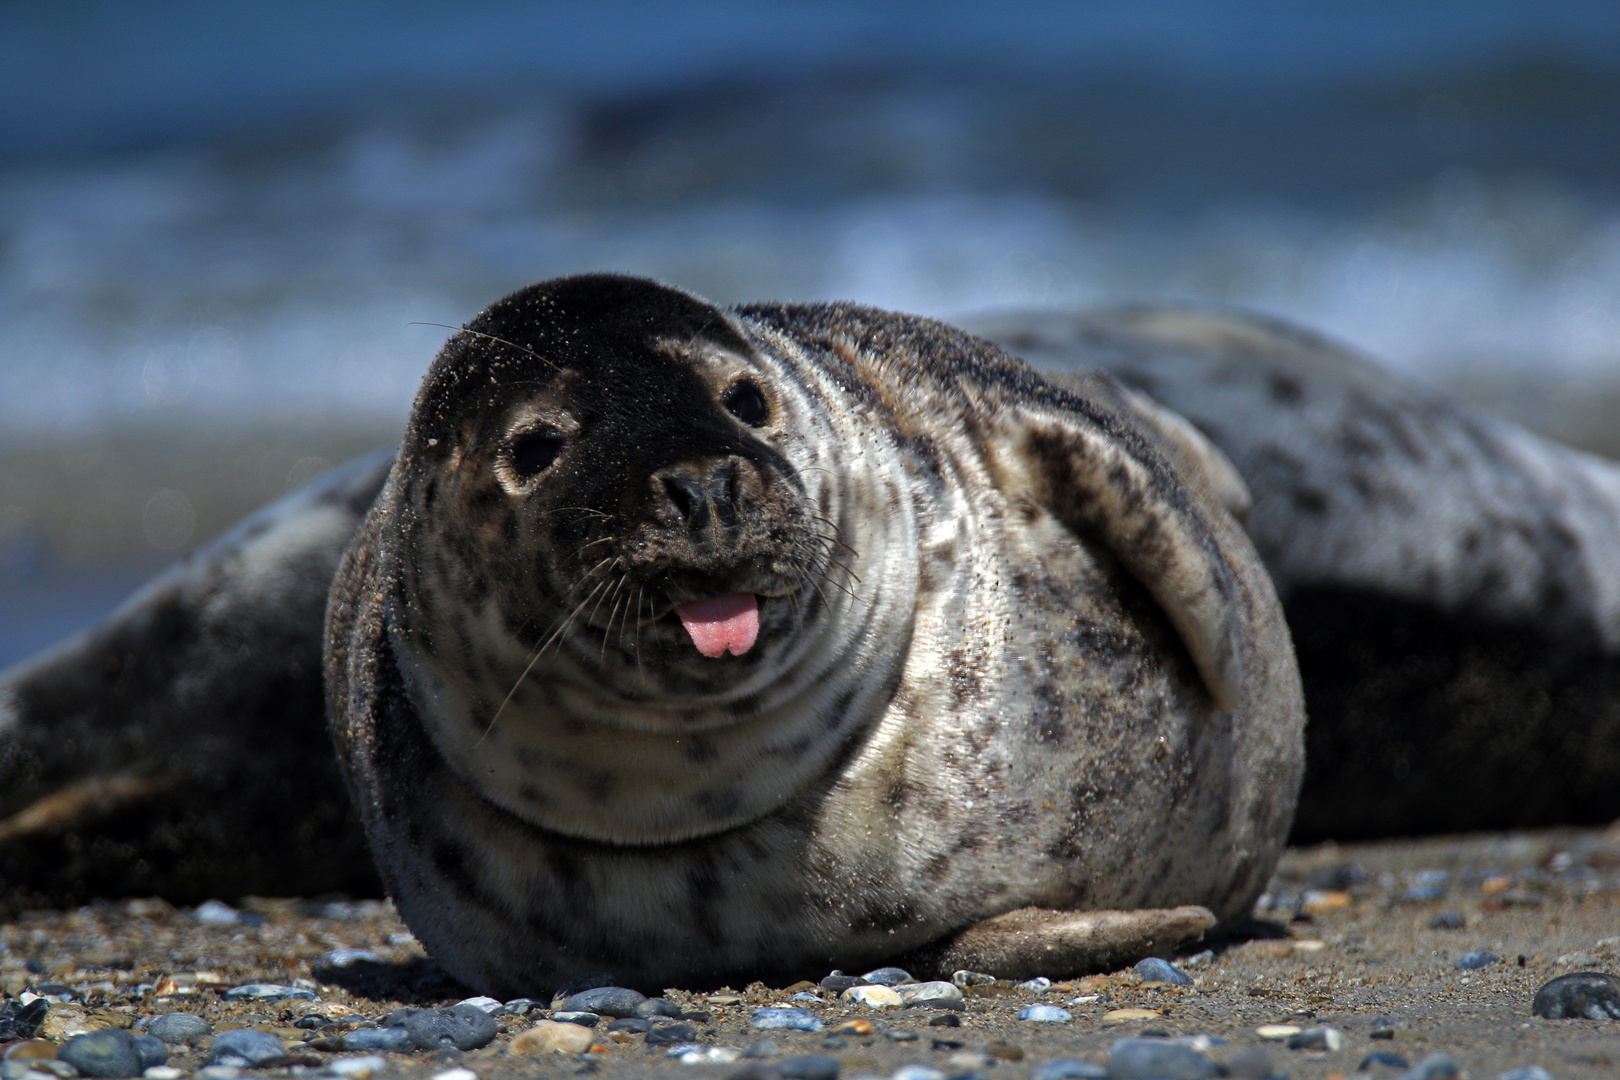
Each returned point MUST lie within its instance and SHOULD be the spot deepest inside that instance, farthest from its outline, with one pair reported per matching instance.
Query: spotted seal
(695, 644)
(1452, 581)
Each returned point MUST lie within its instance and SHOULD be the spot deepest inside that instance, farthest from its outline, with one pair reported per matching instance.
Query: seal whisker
(560, 625)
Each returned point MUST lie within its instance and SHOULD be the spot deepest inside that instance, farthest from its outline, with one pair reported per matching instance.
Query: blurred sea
(228, 231)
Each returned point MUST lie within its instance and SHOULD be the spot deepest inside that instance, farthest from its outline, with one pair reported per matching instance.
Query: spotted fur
(1007, 658)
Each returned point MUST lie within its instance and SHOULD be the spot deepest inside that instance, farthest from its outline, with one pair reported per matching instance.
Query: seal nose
(701, 495)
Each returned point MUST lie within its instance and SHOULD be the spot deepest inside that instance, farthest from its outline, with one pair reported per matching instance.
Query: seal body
(1452, 581)
(979, 648)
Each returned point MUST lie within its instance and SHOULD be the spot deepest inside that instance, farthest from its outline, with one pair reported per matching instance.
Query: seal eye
(534, 452)
(746, 401)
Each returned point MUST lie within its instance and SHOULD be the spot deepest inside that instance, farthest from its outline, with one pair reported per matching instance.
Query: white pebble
(456, 1074)
(873, 997)
(163, 1072)
(358, 1068)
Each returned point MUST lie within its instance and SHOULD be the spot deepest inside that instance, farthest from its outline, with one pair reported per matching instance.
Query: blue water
(216, 212)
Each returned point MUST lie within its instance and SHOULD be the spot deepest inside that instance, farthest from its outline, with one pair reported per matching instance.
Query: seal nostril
(689, 498)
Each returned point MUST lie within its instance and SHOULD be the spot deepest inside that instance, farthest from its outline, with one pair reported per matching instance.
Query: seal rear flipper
(1039, 941)
(1101, 474)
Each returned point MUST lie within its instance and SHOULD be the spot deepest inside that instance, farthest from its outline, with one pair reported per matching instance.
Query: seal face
(696, 644)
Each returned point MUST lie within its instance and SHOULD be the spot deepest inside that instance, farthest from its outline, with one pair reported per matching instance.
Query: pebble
(671, 1034)
(692, 1054)
(1526, 1072)
(1069, 1069)
(363, 1067)
(945, 1020)
(1589, 995)
(583, 1019)
(657, 1006)
(549, 1036)
(1321, 1037)
(216, 913)
(1038, 985)
(789, 1019)
(342, 958)
(163, 1072)
(873, 997)
(113, 1052)
(456, 1074)
(612, 1001)
(245, 1048)
(838, 982)
(1155, 970)
(268, 992)
(1448, 920)
(218, 1072)
(396, 1040)
(464, 1027)
(178, 1027)
(1125, 1016)
(1045, 1014)
(964, 1061)
(928, 991)
(21, 1021)
(1474, 960)
(1158, 1059)
(965, 978)
(916, 1072)
(1435, 1067)
(1277, 1031)
(1382, 1059)
(635, 1025)
(482, 1004)
(523, 1006)
(809, 1066)
(888, 976)
(588, 981)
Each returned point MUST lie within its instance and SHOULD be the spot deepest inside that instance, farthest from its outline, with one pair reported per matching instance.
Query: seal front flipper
(1102, 476)
(1038, 941)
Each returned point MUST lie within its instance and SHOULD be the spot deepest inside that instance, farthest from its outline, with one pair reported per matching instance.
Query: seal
(698, 645)
(1452, 580)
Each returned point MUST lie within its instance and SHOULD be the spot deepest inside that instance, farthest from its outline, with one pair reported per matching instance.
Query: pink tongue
(722, 622)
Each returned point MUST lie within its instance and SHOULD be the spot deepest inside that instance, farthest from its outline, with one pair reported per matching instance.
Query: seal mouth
(722, 624)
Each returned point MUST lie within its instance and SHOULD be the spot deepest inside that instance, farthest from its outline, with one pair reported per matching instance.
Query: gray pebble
(671, 1034)
(245, 1048)
(808, 1067)
(1448, 920)
(635, 1025)
(1158, 1059)
(178, 1027)
(606, 1000)
(888, 976)
(1435, 1067)
(1322, 1037)
(900, 1035)
(789, 1019)
(1382, 1059)
(1044, 1014)
(583, 1019)
(657, 1006)
(588, 981)
(1038, 985)
(391, 1040)
(1589, 995)
(464, 1027)
(838, 982)
(947, 1020)
(1154, 970)
(1069, 1069)
(1526, 1072)
(268, 992)
(805, 995)
(1474, 960)
(111, 1052)
(524, 1006)
(765, 1048)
